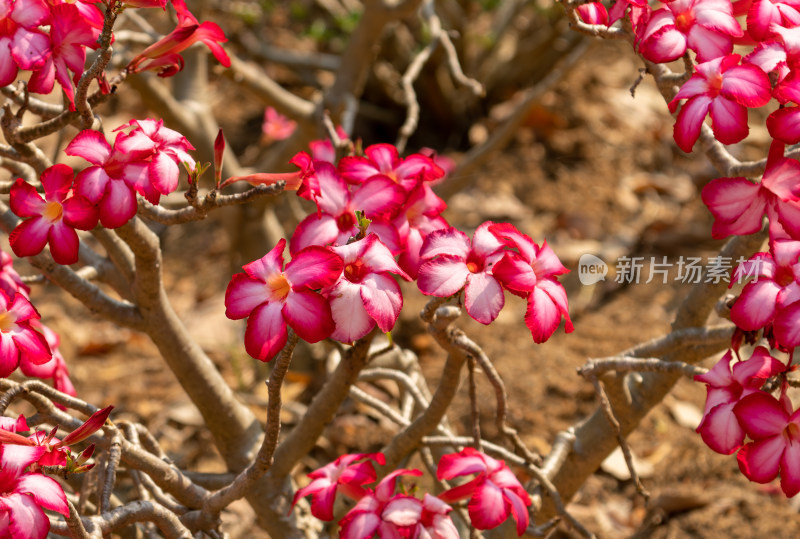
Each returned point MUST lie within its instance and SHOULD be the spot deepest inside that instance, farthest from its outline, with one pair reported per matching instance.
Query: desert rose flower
(52, 219)
(494, 494)
(453, 262)
(383, 160)
(270, 297)
(19, 341)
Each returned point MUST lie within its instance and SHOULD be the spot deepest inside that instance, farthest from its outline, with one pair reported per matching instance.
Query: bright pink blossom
(494, 494)
(271, 297)
(383, 512)
(453, 262)
(336, 222)
(348, 474)
(764, 15)
(110, 182)
(276, 126)
(383, 160)
(775, 432)
(23, 495)
(52, 219)
(19, 341)
(722, 89)
(530, 271)
(22, 44)
(366, 293)
(738, 205)
(704, 26)
(726, 386)
(70, 35)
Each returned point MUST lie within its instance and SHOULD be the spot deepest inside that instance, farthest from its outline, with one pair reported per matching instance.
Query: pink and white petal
(483, 297)
(484, 242)
(755, 306)
(717, 15)
(348, 311)
(45, 491)
(417, 167)
(266, 331)
(92, 183)
(163, 173)
(356, 169)
(314, 267)
(761, 415)
(720, 429)
(759, 461)
(542, 316)
(118, 205)
(32, 345)
(64, 243)
(24, 200)
(402, 511)
(243, 295)
(443, 276)
(22, 308)
(788, 217)
(26, 520)
(786, 325)
(80, 213)
(664, 45)
(708, 43)
(790, 469)
(268, 265)
(512, 237)
(385, 156)
(314, 230)
(466, 462)
(382, 299)
(30, 48)
(378, 258)
(761, 15)
(784, 124)
(487, 507)
(690, 118)
(29, 237)
(334, 194)
(729, 199)
(720, 374)
(748, 223)
(558, 295)
(450, 242)
(519, 511)
(547, 263)
(378, 196)
(747, 85)
(91, 145)
(309, 315)
(360, 525)
(728, 120)
(30, 13)
(781, 178)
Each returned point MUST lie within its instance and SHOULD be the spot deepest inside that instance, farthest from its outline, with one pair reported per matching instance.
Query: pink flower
(775, 432)
(19, 342)
(531, 272)
(348, 474)
(738, 205)
(109, 183)
(365, 293)
(323, 150)
(336, 222)
(452, 262)
(435, 522)
(70, 34)
(724, 89)
(704, 26)
(383, 512)
(271, 297)
(494, 494)
(593, 13)
(52, 219)
(25, 46)
(276, 126)
(383, 160)
(23, 495)
(726, 386)
(164, 54)
(168, 151)
(764, 15)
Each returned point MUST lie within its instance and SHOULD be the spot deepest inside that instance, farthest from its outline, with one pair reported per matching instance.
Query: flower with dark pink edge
(348, 474)
(50, 220)
(453, 262)
(24, 494)
(366, 293)
(530, 271)
(726, 386)
(272, 298)
(494, 494)
(18, 340)
(775, 431)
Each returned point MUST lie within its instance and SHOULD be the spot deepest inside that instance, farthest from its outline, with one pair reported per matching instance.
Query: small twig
(75, 524)
(110, 472)
(473, 399)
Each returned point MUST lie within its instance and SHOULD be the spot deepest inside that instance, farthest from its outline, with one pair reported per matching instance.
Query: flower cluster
(377, 219)
(761, 426)
(494, 494)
